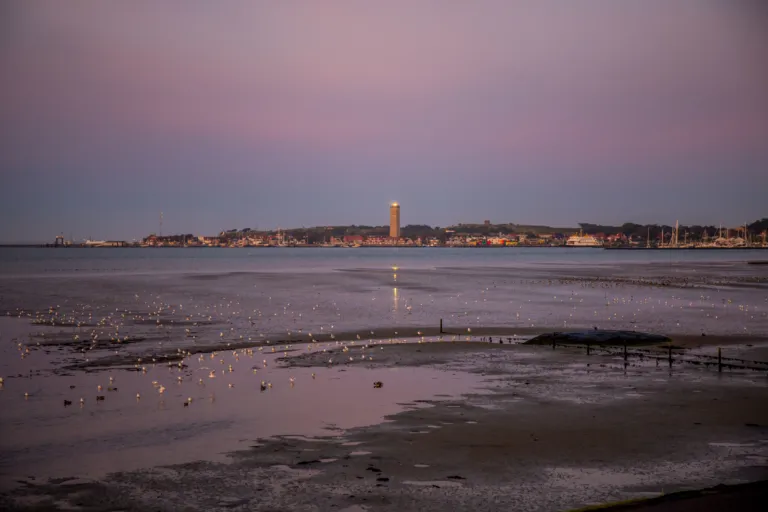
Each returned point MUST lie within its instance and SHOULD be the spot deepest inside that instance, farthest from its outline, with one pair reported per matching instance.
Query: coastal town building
(354, 239)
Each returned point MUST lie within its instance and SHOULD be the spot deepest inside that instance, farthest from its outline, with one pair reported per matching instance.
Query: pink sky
(351, 90)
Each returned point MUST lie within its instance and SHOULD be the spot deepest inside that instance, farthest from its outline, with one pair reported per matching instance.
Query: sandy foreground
(252, 391)
(530, 429)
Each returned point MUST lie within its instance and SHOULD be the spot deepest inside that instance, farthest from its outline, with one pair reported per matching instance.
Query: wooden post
(670, 356)
(625, 351)
(719, 359)
(587, 348)
(441, 326)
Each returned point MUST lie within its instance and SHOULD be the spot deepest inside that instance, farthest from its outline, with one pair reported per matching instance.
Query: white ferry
(582, 240)
(104, 243)
(96, 243)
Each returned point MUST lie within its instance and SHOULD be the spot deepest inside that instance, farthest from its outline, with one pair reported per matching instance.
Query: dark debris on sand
(598, 337)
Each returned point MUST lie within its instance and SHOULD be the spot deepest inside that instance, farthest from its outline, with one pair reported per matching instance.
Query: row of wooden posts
(669, 354)
(733, 363)
(670, 358)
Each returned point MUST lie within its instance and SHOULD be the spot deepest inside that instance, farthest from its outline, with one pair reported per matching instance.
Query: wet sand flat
(230, 387)
(587, 429)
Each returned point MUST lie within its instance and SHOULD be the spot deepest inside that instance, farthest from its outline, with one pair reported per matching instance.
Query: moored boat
(582, 240)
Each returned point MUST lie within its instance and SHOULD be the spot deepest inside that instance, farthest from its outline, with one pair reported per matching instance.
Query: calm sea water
(32, 261)
(271, 293)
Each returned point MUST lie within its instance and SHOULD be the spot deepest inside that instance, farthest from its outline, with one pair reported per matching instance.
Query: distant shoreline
(51, 246)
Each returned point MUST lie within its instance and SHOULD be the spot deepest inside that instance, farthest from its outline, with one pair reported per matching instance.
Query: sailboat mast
(677, 233)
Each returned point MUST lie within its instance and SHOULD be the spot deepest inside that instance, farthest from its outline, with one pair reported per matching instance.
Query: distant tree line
(642, 230)
(758, 226)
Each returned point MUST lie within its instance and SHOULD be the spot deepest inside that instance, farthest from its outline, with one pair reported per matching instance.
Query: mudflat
(253, 390)
(546, 430)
